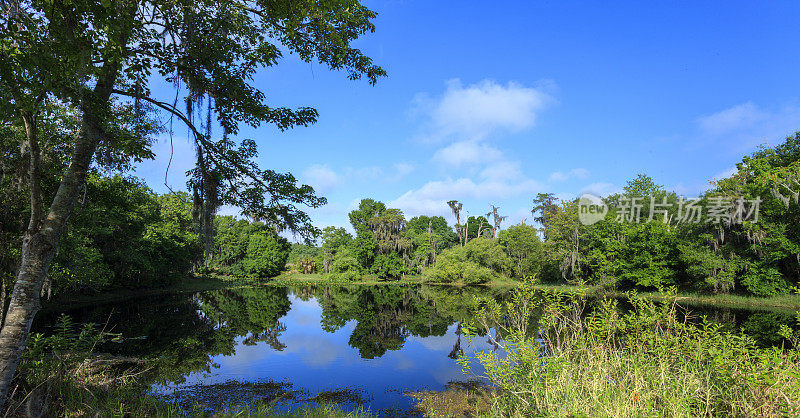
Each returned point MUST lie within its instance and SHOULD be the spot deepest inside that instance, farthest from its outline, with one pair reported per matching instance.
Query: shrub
(524, 248)
(388, 266)
(266, 255)
(477, 262)
(453, 267)
(345, 265)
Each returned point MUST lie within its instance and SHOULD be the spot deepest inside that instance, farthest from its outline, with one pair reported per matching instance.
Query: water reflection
(362, 345)
(372, 340)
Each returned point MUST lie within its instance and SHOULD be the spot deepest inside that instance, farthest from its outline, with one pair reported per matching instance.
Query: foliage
(646, 361)
(266, 255)
(333, 240)
(345, 265)
(244, 248)
(429, 235)
(734, 252)
(125, 236)
(477, 262)
(388, 266)
(365, 243)
(523, 246)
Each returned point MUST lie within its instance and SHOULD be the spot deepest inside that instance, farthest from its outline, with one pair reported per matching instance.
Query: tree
(477, 227)
(333, 240)
(523, 245)
(345, 265)
(89, 54)
(365, 243)
(266, 254)
(456, 207)
(563, 234)
(496, 218)
(642, 186)
(546, 204)
(429, 236)
(389, 230)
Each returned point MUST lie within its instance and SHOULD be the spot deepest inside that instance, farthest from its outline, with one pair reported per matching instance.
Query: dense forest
(125, 235)
(746, 241)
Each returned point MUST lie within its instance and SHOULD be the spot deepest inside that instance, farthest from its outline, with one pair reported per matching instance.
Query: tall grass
(555, 359)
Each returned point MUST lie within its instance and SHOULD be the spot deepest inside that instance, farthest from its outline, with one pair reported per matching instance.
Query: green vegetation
(648, 240)
(77, 106)
(390, 247)
(640, 362)
(729, 251)
(78, 111)
(125, 236)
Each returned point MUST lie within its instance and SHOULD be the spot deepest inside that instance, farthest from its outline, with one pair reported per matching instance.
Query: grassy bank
(786, 303)
(292, 278)
(638, 362)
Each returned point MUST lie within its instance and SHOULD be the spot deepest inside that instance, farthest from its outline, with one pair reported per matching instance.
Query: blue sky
(490, 103)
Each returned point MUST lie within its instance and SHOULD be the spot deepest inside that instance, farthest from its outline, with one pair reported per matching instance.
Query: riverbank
(190, 284)
(291, 278)
(784, 303)
(787, 303)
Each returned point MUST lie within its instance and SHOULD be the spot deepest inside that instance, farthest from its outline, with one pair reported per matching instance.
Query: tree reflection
(251, 312)
(387, 315)
(184, 333)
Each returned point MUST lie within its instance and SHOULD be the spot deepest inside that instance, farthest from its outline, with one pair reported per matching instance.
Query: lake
(360, 346)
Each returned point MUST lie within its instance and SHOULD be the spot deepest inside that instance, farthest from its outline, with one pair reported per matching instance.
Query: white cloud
(324, 179)
(321, 178)
(748, 124)
(577, 173)
(466, 116)
(464, 153)
(402, 170)
(502, 170)
(432, 197)
(738, 117)
(475, 111)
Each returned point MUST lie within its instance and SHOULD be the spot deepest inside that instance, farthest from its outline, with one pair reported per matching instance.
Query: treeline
(247, 248)
(122, 234)
(388, 246)
(742, 235)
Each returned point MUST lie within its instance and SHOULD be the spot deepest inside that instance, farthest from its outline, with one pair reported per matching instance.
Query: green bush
(477, 262)
(345, 265)
(765, 281)
(388, 266)
(524, 248)
(266, 255)
(452, 266)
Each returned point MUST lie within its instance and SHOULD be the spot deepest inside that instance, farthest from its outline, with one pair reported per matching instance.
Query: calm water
(359, 346)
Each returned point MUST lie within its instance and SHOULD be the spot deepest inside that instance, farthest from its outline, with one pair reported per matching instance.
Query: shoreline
(784, 303)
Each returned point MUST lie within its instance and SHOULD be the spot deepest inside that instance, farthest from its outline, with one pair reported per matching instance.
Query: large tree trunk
(40, 243)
